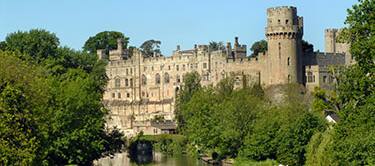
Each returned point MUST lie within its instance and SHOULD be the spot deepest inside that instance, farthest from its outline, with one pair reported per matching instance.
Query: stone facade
(142, 88)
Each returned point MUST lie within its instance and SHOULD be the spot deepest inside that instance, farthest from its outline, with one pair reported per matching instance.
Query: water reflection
(155, 159)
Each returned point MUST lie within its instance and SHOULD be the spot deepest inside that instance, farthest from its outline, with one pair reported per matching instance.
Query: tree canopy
(106, 40)
(351, 141)
(36, 44)
(50, 103)
(150, 47)
(214, 46)
(258, 47)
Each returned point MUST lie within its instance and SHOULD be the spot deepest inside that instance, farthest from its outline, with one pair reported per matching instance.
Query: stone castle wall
(141, 88)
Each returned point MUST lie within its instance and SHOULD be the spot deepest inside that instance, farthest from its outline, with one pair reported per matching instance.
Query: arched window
(126, 82)
(117, 83)
(288, 61)
(310, 77)
(178, 79)
(144, 80)
(157, 78)
(166, 78)
(131, 82)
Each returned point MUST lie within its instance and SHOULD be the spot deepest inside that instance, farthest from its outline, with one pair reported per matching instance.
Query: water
(156, 159)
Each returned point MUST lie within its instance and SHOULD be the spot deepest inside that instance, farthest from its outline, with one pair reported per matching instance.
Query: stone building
(142, 88)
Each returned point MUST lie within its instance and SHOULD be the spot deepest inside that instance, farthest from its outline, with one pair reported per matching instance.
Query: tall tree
(259, 46)
(38, 44)
(106, 40)
(150, 47)
(353, 140)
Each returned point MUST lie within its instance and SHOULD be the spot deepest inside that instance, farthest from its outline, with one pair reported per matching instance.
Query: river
(156, 159)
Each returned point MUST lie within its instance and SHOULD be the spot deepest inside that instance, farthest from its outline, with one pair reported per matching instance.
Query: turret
(284, 33)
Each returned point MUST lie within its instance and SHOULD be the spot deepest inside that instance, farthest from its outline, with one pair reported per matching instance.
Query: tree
(191, 85)
(38, 44)
(50, 106)
(258, 47)
(150, 47)
(106, 40)
(214, 46)
(353, 136)
(307, 47)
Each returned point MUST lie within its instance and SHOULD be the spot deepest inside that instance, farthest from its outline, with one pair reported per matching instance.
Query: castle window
(310, 77)
(113, 95)
(126, 82)
(157, 78)
(288, 61)
(127, 95)
(177, 68)
(166, 78)
(131, 70)
(131, 82)
(117, 83)
(325, 79)
(204, 65)
(286, 21)
(119, 95)
(144, 80)
(279, 21)
(178, 79)
(127, 71)
(169, 67)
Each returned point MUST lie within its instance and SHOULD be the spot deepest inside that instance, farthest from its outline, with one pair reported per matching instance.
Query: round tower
(284, 33)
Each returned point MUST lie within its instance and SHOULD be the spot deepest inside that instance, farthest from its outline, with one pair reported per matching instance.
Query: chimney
(236, 44)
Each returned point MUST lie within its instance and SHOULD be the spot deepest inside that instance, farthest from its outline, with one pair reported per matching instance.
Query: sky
(173, 22)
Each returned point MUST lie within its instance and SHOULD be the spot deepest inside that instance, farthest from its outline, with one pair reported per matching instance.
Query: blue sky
(173, 22)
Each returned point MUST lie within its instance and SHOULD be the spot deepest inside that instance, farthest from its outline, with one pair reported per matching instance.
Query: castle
(142, 88)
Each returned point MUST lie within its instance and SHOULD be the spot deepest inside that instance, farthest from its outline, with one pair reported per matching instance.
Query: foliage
(351, 141)
(106, 40)
(52, 102)
(307, 47)
(36, 44)
(258, 47)
(245, 162)
(214, 46)
(150, 47)
(191, 84)
(22, 106)
(318, 153)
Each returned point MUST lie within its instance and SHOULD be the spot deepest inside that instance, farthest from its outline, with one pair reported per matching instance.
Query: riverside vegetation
(51, 111)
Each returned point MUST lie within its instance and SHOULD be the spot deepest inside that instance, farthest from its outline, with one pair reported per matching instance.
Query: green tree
(150, 47)
(191, 85)
(354, 135)
(59, 111)
(317, 152)
(214, 46)
(258, 47)
(37, 44)
(106, 40)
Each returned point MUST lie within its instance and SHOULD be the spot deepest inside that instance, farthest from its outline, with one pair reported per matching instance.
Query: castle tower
(330, 40)
(284, 33)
